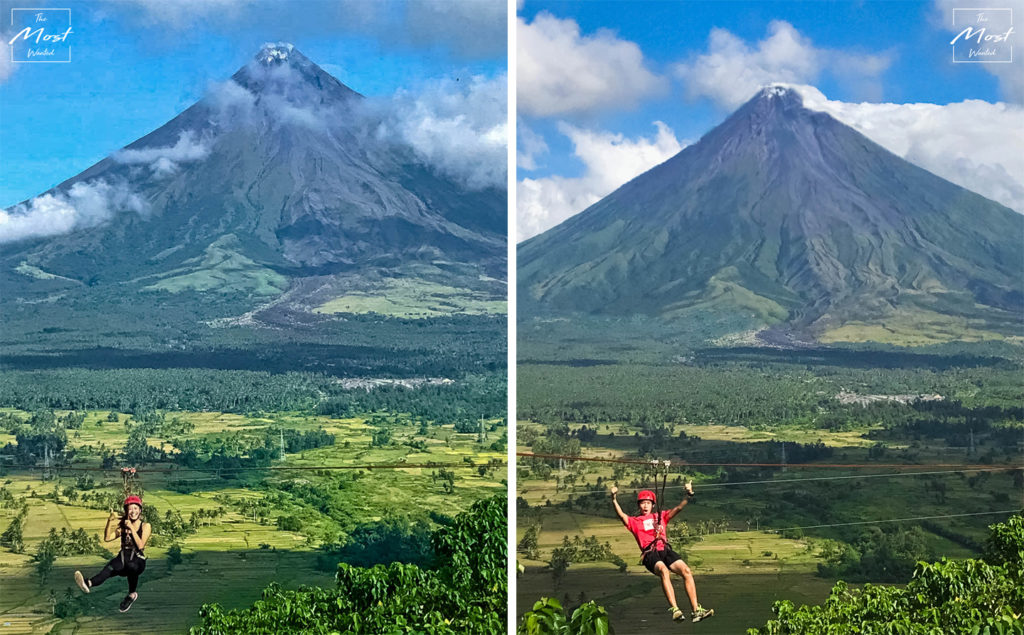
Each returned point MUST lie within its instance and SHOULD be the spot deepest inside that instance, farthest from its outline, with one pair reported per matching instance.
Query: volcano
(791, 219)
(277, 188)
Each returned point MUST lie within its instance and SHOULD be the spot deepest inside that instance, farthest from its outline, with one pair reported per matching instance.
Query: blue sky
(625, 65)
(135, 64)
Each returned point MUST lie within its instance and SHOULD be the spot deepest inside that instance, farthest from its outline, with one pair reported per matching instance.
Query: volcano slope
(784, 216)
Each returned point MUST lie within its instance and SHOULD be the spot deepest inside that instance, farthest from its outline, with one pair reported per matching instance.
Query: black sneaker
(702, 614)
(127, 602)
(80, 581)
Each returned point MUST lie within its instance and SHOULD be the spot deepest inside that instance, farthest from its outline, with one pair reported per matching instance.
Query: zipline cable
(685, 464)
(370, 466)
(852, 476)
(893, 520)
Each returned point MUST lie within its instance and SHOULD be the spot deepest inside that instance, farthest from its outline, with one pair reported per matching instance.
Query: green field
(761, 432)
(733, 577)
(413, 298)
(233, 556)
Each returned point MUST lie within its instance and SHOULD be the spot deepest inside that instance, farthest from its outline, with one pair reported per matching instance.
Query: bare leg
(680, 568)
(666, 583)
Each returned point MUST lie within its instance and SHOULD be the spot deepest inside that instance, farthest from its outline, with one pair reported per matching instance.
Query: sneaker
(702, 613)
(677, 614)
(127, 602)
(80, 581)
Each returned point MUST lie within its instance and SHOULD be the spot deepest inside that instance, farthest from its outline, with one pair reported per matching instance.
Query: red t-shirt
(642, 527)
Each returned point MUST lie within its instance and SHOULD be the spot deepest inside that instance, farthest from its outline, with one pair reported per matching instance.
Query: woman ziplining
(134, 533)
(648, 528)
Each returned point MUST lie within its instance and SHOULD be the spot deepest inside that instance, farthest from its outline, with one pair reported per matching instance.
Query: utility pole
(783, 456)
(282, 443)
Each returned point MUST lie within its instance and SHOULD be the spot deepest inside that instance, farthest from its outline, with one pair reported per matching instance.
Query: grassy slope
(412, 298)
(214, 569)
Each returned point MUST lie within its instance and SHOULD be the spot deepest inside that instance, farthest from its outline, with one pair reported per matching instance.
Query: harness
(129, 550)
(128, 546)
(658, 495)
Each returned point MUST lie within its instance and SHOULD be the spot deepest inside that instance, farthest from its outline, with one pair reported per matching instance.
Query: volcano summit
(787, 217)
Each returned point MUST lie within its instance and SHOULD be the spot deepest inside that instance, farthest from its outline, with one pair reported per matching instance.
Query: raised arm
(618, 510)
(670, 514)
(110, 532)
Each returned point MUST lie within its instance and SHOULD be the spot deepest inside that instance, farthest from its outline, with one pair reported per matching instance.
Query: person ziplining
(134, 533)
(649, 529)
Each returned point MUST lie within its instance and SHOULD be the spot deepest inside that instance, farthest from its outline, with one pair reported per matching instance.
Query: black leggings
(130, 568)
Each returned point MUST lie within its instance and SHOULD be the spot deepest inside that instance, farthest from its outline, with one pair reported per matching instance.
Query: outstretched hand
(615, 490)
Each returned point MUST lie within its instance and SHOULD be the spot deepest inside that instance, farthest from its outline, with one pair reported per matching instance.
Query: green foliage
(381, 438)
(548, 618)
(465, 593)
(174, 556)
(392, 539)
(588, 549)
(964, 596)
(881, 555)
(12, 537)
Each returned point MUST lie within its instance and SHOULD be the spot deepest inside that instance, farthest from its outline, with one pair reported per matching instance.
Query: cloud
(6, 65)
(466, 28)
(1011, 77)
(181, 14)
(731, 70)
(285, 97)
(561, 71)
(164, 161)
(610, 160)
(473, 28)
(973, 143)
(230, 103)
(459, 129)
(85, 204)
(528, 146)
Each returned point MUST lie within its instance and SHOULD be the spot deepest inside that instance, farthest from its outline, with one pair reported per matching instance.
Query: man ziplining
(648, 528)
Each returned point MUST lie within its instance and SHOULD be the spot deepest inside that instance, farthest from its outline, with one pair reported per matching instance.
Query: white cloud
(86, 204)
(164, 161)
(610, 160)
(731, 70)
(561, 71)
(231, 103)
(6, 65)
(471, 27)
(287, 98)
(467, 28)
(1011, 76)
(529, 146)
(183, 13)
(458, 128)
(973, 143)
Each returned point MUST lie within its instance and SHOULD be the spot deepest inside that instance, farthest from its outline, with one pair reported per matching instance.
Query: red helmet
(133, 500)
(646, 495)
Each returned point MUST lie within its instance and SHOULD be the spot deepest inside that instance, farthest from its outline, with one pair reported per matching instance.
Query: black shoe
(127, 602)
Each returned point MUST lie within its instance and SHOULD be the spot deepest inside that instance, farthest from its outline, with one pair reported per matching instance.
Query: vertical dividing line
(511, 316)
